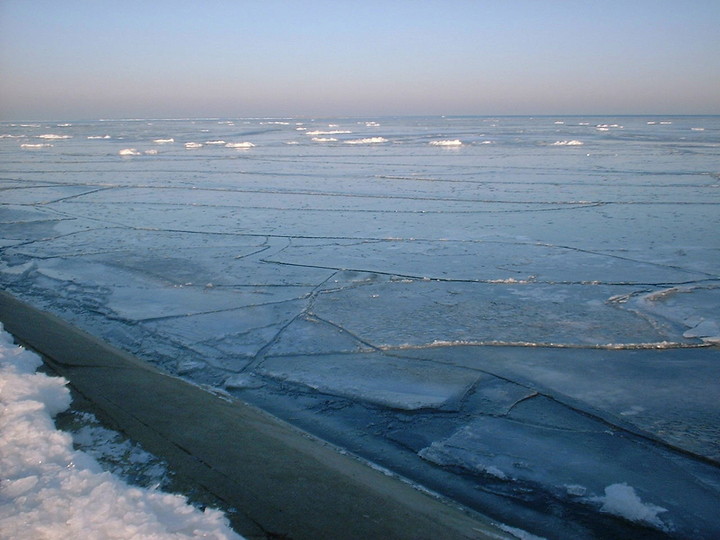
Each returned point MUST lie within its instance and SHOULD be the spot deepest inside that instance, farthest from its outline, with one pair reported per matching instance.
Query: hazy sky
(72, 59)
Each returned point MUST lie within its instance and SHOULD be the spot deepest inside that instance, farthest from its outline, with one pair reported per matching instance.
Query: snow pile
(621, 500)
(164, 141)
(49, 490)
(193, 145)
(129, 152)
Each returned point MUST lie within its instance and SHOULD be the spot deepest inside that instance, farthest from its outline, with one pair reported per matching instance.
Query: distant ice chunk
(53, 137)
(323, 139)
(369, 140)
(453, 142)
(330, 132)
(621, 500)
(216, 142)
(164, 141)
(573, 142)
(391, 382)
(99, 137)
(35, 146)
(193, 145)
(240, 145)
(129, 152)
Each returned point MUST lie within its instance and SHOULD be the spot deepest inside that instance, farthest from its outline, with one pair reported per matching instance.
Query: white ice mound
(573, 142)
(50, 490)
(164, 141)
(323, 139)
(330, 132)
(53, 137)
(193, 145)
(35, 146)
(129, 152)
(621, 500)
(369, 140)
(453, 142)
(240, 145)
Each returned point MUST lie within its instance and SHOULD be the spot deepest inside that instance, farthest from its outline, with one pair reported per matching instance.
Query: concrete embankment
(284, 482)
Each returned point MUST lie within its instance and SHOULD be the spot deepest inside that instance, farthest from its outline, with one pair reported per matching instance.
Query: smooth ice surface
(50, 490)
(407, 292)
(392, 382)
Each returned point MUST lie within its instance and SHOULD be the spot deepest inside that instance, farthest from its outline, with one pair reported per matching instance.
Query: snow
(50, 490)
(621, 500)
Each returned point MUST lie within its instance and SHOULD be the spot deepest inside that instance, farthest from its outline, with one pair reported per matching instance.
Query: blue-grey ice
(518, 313)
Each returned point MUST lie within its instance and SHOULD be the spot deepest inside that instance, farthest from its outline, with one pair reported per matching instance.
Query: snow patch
(621, 500)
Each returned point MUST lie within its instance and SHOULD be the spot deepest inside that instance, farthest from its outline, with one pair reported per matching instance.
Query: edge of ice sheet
(48, 488)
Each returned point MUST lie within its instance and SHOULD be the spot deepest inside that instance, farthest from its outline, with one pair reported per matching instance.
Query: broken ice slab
(695, 307)
(237, 332)
(575, 460)
(309, 335)
(391, 382)
(122, 240)
(44, 194)
(405, 313)
(671, 394)
(490, 259)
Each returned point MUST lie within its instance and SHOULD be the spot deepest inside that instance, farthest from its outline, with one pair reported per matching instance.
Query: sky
(82, 60)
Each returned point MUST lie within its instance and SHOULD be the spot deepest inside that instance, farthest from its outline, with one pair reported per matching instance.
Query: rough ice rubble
(693, 307)
(50, 490)
(621, 500)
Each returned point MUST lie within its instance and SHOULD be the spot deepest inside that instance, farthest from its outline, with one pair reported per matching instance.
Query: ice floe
(447, 142)
(129, 152)
(240, 145)
(368, 140)
(572, 142)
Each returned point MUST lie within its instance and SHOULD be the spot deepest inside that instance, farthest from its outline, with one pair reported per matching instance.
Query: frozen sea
(522, 314)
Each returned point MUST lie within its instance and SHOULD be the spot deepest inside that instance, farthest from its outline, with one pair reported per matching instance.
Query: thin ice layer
(387, 381)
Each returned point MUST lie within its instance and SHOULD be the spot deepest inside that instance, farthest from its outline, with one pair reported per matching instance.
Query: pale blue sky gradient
(72, 60)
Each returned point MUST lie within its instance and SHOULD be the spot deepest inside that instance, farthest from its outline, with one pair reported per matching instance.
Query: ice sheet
(408, 292)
